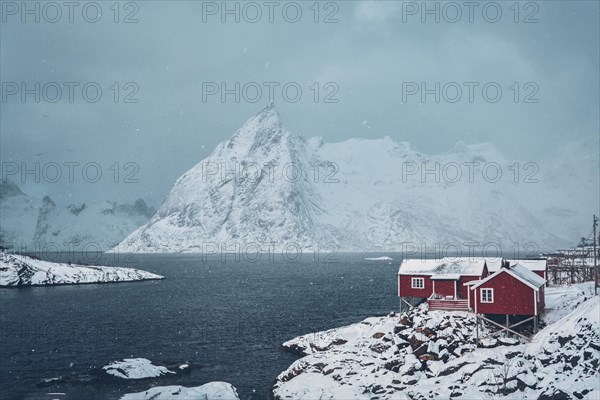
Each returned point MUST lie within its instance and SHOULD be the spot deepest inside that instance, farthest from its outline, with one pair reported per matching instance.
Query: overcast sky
(177, 48)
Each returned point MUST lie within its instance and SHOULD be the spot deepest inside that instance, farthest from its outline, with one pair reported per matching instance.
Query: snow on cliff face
(268, 186)
(19, 270)
(249, 190)
(27, 223)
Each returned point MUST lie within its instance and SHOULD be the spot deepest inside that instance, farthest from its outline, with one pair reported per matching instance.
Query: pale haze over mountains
(41, 225)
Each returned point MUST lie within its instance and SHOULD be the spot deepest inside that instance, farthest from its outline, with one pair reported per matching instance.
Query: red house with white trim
(512, 290)
(442, 281)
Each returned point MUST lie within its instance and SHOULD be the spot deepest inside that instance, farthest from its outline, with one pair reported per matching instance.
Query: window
(418, 283)
(487, 295)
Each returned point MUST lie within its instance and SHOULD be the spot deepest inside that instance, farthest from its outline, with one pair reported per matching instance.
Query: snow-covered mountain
(29, 223)
(269, 188)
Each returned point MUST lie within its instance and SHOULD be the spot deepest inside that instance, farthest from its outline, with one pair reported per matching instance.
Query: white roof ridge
(519, 272)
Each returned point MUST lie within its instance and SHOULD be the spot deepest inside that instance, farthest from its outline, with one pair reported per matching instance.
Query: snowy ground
(429, 355)
(561, 300)
(19, 270)
(210, 391)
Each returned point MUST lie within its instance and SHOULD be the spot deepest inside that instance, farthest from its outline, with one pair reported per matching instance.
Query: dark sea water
(226, 318)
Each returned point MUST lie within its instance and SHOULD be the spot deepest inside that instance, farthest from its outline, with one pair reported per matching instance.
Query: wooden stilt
(407, 303)
(522, 322)
(503, 328)
(507, 325)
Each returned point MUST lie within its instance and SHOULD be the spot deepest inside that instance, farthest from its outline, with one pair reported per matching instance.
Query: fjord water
(225, 317)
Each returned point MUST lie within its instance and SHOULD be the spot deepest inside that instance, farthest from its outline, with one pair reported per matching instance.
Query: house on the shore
(450, 283)
(496, 290)
(512, 290)
(441, 281)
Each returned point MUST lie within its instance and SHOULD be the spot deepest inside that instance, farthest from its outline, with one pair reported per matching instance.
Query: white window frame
(414, 280)
(491, 296)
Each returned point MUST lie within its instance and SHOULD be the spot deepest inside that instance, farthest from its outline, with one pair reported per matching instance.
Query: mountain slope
(239, 196)
(28, 223)
(267, 188)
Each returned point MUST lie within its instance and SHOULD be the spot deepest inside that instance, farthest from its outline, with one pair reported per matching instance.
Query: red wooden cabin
(512, 290)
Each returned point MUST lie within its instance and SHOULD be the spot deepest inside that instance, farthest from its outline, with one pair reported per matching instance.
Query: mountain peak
(269, 107)
(266, 119)
(258, 130)
(269, 115)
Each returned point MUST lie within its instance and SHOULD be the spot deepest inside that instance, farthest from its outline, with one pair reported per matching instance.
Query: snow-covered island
(422, 354)
(211, 391)
(135, 368)
(120, 372)
(383, 258)
(19, 270)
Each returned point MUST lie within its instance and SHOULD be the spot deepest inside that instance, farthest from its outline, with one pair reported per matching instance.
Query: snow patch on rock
(135, 368)
(210, 391)
(425, 354)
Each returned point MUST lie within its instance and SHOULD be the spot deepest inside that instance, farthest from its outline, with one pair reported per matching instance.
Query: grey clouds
(365, 58)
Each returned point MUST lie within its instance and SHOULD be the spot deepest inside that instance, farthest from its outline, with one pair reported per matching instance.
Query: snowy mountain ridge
(33, 224)
(269, 188)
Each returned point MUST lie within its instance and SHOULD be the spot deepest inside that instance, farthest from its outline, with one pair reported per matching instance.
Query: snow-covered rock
(20, 270)
(431, 355)
(562, 300)
(210, 391)
(135, 368)
(268, 188)
(29, 223)
(384, 258)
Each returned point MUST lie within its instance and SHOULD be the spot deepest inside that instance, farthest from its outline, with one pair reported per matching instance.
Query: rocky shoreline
(422, 354)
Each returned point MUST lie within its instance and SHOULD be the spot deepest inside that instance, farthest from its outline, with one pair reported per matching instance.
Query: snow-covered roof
(520, 272)
(530, 264)
(472, 266)
(453, 277)
(527, 275)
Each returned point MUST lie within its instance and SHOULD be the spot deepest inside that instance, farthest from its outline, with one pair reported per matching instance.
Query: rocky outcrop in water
(18, 270)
